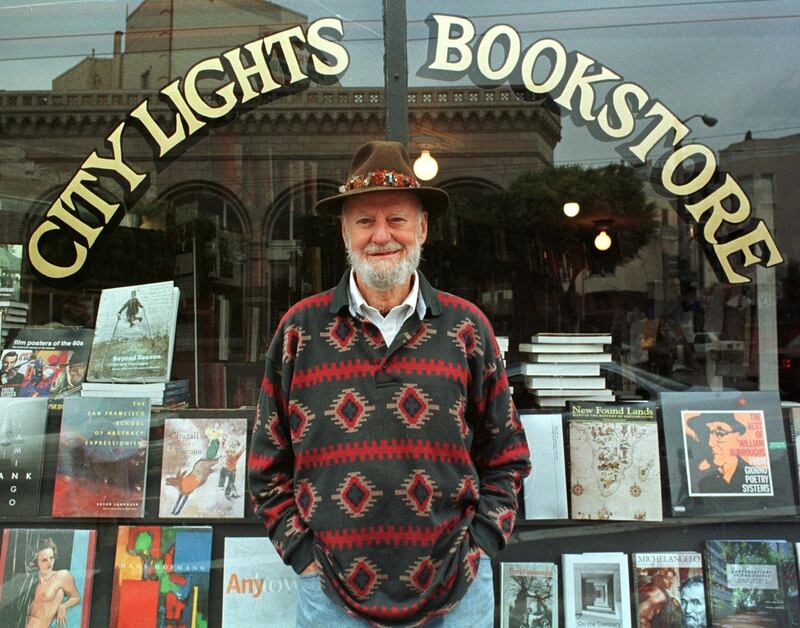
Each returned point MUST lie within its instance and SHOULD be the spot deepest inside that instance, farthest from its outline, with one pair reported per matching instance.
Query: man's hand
(312, 568)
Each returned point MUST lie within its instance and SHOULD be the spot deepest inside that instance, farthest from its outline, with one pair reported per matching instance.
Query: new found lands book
(22, 433)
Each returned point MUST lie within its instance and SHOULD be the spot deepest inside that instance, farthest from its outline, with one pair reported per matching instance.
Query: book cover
(545, 491)
(547, 348)
(46, 577)
(752, 583)
(10, 270)
(569, 358)
(572, 338)
(134, 334)
(22, 433)
(596, 590)
(558, 370)
(102, 458)
(528, 595)
(569, 382)
(161, 577)
(259, 590)
(614, 462)
(669, 590)
(203, 468)
(726, 452)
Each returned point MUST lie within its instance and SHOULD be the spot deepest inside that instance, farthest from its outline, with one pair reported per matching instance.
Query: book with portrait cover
(42, 570)
(102, 457)
(614, 461)
(668, 590)
(22, 432)
(258, 590)
(161, 577)
(727, 452)
(596, 590)
(545, 492)
(203, 468)
(134, 334)
(528, 595)
(752, 583)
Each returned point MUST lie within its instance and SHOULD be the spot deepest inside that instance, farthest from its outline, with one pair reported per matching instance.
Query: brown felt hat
(383, 166)
(701, 421)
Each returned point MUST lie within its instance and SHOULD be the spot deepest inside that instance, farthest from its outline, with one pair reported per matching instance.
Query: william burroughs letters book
(614, 461)
(161, 577)
(669, 590)
(596, 590)
(22, 430)
(258, 590)
(545, 492)
(726, 452)
(43, 569)
(528, 595)
(102, 458)
(134, 334)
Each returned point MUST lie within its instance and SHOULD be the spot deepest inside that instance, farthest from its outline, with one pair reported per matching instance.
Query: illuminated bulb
(603, 241)
(571, 209)
(425, 167)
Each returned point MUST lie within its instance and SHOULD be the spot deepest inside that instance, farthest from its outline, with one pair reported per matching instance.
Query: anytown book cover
(596, 590)
(752, 583)
(134, 334)
(669, 590)
(161, 577)
(528, 595)
(102, 457)
(614, 461)
(22, 433)
(203, 468)
(258, 589)
(46, 577)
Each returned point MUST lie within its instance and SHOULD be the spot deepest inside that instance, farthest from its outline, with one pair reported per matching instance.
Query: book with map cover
(614, 461)
(669, 590)
(41, 569)
(258, 590)
(596, 590)
(22, 434)
(545, 491)
(752, 583)
(161, 577)
(528, 595)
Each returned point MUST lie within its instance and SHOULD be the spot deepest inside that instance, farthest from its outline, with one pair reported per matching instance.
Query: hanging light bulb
(571, 209)
(426, 167)
(603, 241)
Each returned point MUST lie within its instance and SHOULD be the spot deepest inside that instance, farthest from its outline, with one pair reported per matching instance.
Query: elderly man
(387, 454)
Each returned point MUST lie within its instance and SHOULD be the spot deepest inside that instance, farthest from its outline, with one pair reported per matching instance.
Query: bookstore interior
(621, 179)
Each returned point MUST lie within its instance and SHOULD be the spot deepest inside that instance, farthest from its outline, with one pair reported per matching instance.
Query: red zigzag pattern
(383, 450)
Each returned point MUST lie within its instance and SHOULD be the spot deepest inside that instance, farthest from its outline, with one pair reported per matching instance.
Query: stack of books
(174, 394)
(14, 315)
(566, 367)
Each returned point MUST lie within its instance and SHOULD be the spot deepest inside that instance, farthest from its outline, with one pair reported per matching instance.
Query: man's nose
(381, 234)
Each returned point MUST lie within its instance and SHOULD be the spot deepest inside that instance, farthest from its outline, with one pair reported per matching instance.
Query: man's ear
(423, 227)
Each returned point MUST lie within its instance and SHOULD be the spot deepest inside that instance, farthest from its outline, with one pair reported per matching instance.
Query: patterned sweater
(389, 466)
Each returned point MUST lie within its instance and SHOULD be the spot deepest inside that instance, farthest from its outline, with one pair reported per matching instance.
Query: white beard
(384, 274)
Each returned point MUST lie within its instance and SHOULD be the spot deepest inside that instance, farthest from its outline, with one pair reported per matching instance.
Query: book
(528, 595)
(159, 393)
(751, 583)
(258, 590)
(596, 590)
(102, 458)
(569, 358)
(604, 339)
(614, 462)
(556, 370)
(22, 434)
(134, 334)
(669, 590)
(540, 348)
(161, 577)
(41, 566)
(545, 491)
(726, 452)
(569, 382)
(10, 270)
(203, 468)
(560, 402)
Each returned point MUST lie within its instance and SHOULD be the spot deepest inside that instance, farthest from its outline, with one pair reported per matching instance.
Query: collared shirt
(390, 324)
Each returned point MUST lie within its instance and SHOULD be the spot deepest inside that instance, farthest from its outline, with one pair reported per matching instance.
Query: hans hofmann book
(528, 595)
(596, 590)
(102, 458)
(46, 577)
(22, 434)
(545, 492)
(669, 590)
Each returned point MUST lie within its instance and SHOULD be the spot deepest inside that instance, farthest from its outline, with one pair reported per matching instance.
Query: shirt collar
(428, 295)
(414, 299)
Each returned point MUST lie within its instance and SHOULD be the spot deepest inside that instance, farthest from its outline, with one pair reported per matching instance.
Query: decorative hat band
(381, 179)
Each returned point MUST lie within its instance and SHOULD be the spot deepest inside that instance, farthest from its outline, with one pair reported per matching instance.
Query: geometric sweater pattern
(391, 467)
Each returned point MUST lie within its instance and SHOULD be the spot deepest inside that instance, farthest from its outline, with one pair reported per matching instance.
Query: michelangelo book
(596, 590)
(46, 577)
(102, 457)
(669, 590)
(202, 469)
(22, 433)
(258, 590)
(614, 461)
(545, 492)
(528, 595)
(134, 334)
(161, 577)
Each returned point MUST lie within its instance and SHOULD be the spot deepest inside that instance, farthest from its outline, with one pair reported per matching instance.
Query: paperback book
(596, 590)
(528, 595)
(202, 469)
(614, 462)
(259, 590)
(545, 491)
(22, 433)
(46, 577)
(102, 458)
(669, 590)
(161, 577)
(134, 334)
